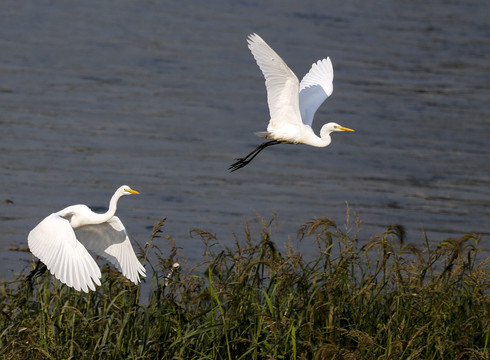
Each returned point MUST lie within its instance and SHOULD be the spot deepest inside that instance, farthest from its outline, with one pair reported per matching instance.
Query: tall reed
(376, 299)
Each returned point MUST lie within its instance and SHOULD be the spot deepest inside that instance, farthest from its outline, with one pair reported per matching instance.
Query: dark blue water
(163, 95)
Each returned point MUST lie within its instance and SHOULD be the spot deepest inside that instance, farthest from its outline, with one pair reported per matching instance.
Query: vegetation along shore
(374, 298)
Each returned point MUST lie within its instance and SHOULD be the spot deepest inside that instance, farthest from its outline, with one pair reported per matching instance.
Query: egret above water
(292, 105)
(61, 241)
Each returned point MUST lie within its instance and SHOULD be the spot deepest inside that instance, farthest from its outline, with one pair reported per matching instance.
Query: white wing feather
(281, 83)
(54, 243)
(111, 241)
(314, 89)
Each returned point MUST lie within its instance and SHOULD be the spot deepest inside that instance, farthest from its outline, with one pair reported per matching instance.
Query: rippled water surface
(163, 95)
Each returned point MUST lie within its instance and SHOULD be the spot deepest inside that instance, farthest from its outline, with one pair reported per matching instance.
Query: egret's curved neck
(323, 141)
(101, 218)
(310, 138)
(317, 141)
(325, 135)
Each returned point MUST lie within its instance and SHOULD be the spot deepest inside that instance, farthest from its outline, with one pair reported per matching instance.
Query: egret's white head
(126, 190)
(331, 127)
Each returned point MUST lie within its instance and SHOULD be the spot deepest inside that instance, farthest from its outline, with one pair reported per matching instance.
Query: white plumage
(292, 105)
(62, 239)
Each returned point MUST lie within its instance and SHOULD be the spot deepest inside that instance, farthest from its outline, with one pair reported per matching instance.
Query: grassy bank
(378, 298)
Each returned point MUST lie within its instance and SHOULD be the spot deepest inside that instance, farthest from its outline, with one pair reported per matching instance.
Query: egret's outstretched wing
(315, 87)
(111, 241)
(54, 243)
(281, 83)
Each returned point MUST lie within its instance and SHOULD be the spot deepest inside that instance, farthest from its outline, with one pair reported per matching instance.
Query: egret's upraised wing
(54, 243)
(314, 88)
(281, 83)
(111, 241)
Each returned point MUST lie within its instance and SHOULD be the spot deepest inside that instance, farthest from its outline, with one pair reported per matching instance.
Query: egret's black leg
(38, 271)
(241, 162)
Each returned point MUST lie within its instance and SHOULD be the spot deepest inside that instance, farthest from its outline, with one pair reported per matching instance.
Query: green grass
(378, 298)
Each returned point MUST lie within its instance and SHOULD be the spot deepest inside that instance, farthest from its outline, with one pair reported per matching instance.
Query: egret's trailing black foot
(241, 162)
(238, 164)
(37, 272)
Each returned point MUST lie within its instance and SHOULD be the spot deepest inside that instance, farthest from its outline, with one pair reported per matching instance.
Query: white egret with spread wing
(292, 105)
(62, 239)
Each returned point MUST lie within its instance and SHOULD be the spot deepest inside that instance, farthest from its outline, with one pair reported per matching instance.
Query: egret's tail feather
(262, 134)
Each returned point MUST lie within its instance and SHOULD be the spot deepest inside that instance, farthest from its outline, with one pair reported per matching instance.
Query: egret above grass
(62, 239)
(292, 105)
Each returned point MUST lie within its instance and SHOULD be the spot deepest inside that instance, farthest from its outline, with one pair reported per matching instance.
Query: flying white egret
(292, 105)
(61, 241)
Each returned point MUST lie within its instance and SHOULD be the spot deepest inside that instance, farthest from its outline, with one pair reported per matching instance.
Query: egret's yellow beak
(131, 191)
(344, 128)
